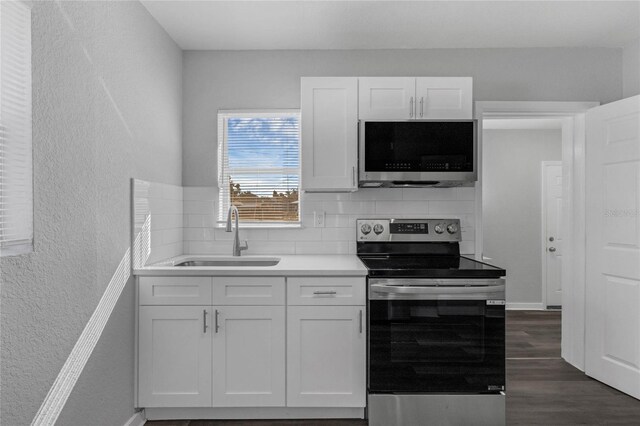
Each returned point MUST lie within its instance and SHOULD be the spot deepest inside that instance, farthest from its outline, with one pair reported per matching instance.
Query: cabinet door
(174, 357)
(387, 98)
(329, 110)
(249, 356)
(444, 97)
(326, 365)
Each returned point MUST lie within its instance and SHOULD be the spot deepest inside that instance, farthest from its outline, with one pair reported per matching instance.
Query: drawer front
(326, 290)
(248, 290)
(175, 291)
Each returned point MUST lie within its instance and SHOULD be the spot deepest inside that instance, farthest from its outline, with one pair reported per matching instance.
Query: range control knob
(378, 229)
(365, 229)
(439, 228)
(452, 228)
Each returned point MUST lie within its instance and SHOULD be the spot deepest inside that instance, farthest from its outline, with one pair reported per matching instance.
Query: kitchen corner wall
(107, 106)
(339, 233)
(631, 69)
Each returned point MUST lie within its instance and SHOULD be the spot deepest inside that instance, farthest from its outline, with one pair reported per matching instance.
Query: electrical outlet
(318, 219)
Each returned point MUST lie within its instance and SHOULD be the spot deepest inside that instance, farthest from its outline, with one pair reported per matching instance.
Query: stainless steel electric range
(436, 344)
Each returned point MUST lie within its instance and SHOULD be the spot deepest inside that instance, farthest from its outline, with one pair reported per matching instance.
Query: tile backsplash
(170, 220)
(201, 236)
(157, 222)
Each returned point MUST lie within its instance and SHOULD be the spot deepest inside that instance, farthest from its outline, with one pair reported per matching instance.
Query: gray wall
(631, 69)
(107, 106)
(511, 205)
(271, 79)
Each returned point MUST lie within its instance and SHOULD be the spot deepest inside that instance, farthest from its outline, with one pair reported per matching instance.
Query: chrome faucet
(237, 247)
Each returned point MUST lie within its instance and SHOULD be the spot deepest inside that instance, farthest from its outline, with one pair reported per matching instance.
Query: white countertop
(289, 265)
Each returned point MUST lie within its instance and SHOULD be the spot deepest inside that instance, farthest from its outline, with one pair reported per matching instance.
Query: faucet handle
(244, 245)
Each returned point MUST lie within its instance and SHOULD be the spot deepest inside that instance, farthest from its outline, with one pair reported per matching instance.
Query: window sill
(264, 225)
(7, 250)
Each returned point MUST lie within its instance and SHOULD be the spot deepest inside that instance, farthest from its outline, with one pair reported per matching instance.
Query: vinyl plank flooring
(542, 389)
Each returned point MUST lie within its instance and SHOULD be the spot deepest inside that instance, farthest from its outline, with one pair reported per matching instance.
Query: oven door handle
(405, 289)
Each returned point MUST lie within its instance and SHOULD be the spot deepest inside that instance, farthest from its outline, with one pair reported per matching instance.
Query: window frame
(221, 212)
(17, 144)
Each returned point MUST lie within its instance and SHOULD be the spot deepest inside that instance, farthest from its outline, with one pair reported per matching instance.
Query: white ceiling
(306, 24)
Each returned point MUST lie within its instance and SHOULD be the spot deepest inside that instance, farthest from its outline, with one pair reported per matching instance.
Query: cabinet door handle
(353, 175)
(204, 317)
(421, 106)
(324, 292)
(411, 107)
(360, 316)
(216, 325)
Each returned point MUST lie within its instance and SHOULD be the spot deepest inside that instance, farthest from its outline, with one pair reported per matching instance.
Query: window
(259, 166)
(16, 180)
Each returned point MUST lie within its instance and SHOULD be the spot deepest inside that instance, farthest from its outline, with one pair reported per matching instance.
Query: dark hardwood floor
(542, 389)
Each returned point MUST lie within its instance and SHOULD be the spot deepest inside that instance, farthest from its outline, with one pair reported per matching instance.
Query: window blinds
(259, 166)
(16, 187)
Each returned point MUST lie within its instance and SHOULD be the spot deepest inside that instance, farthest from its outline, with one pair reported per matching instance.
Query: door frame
(573, 193)
(543, 228)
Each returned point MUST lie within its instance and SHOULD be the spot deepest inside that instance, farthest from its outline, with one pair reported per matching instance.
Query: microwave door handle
(401, 289)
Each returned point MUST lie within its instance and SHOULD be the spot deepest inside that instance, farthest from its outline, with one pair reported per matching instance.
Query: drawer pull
(325, 293)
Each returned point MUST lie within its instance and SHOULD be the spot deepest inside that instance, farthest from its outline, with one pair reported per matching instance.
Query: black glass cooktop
(429, 267)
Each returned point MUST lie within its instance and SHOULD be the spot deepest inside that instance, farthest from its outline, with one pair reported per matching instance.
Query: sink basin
(231, 262)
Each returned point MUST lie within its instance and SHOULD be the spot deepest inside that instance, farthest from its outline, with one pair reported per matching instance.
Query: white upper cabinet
(406, 98)
(387, 98)
(444, 97)
(329, 110)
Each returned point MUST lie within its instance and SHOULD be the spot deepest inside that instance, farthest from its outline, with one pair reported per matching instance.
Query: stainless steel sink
(231, 262)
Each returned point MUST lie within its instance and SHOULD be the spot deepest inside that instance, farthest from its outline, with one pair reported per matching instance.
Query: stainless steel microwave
(418, 153)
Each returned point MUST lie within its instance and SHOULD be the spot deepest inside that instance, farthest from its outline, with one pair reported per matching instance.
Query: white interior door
(552, 232)
(613, 245)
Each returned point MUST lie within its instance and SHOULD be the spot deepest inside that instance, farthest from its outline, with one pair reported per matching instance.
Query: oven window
(419, 146)
(436, 346)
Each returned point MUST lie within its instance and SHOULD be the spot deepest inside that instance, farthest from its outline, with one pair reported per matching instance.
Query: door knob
(552, 249)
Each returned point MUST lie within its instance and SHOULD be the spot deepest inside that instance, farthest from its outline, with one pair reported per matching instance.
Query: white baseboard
(525, 306)
(254, 413)
(137, 419)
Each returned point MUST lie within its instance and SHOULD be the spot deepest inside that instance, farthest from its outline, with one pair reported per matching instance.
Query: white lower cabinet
(326, 349)
(216, 353)
(175, 357)
(249, 356)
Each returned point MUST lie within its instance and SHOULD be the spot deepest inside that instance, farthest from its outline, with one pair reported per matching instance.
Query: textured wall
(511, 211)
(107, 106)
(271, 79)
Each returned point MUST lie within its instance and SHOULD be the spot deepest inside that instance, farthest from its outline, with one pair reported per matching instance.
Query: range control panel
(429, 230)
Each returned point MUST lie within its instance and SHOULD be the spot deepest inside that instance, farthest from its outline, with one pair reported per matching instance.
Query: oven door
(420, 342)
